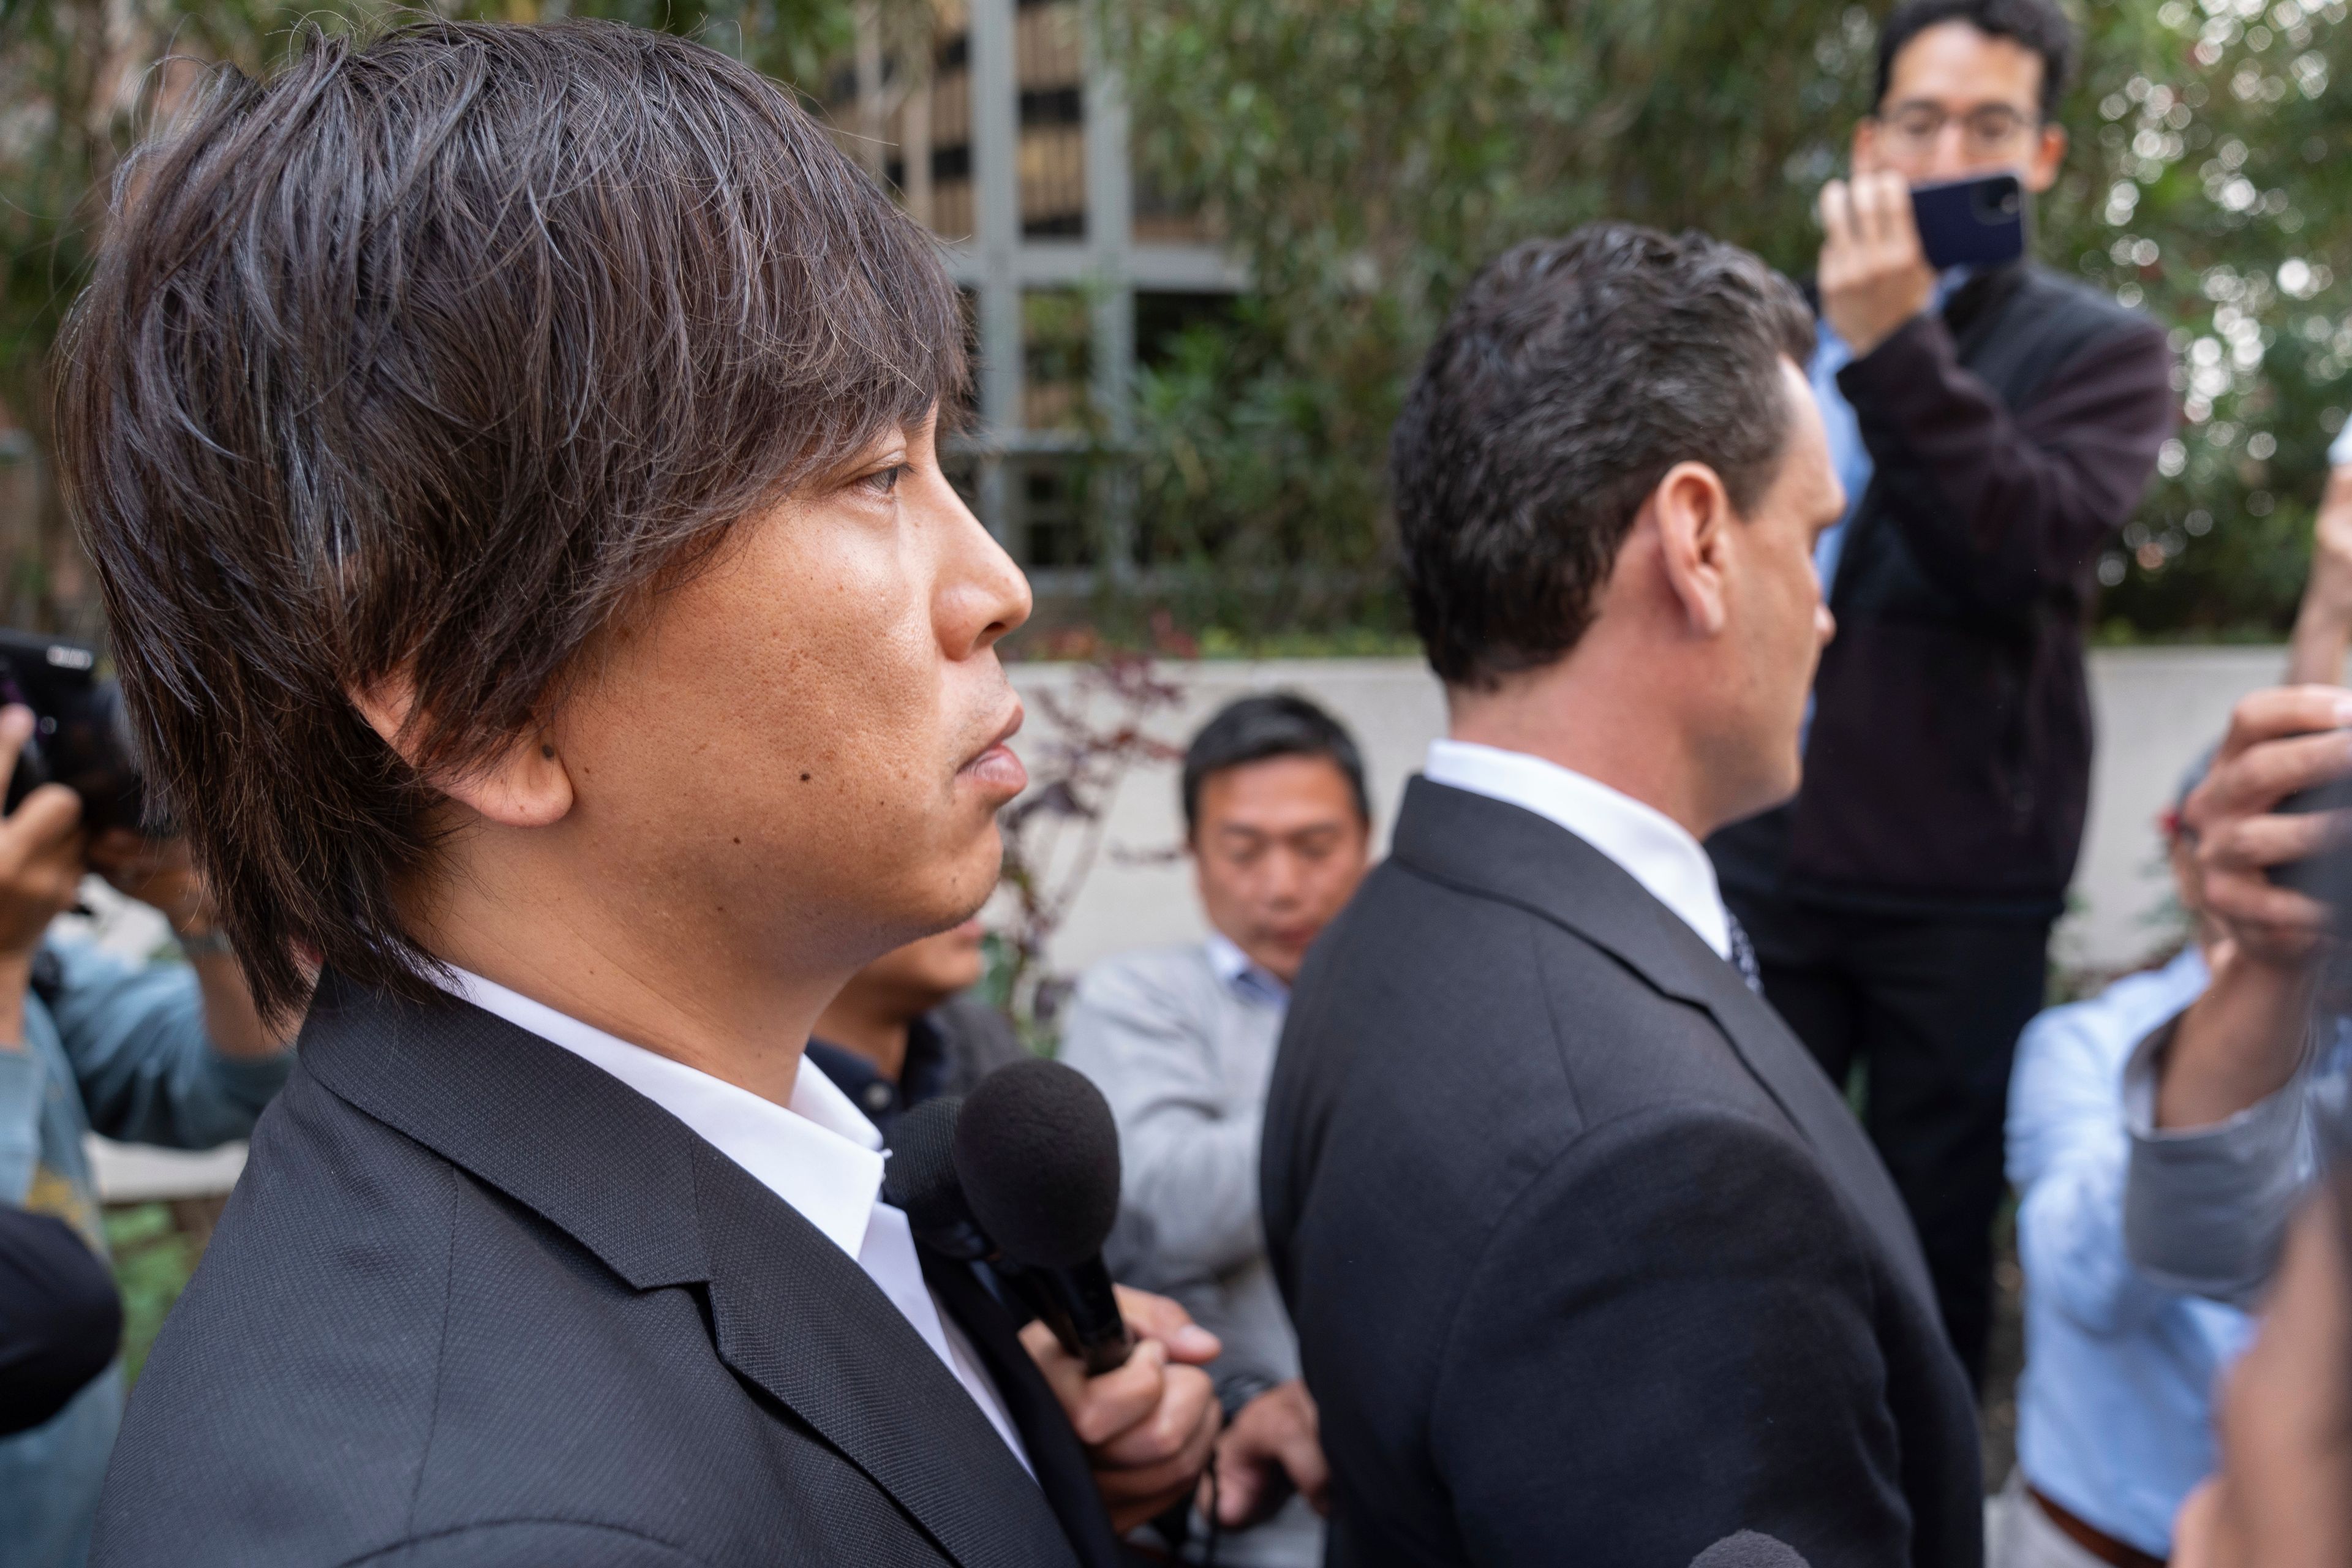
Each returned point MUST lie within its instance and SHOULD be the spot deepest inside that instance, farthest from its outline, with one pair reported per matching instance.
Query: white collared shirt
(1241, 975)
(1652, 847)
(820, 1155)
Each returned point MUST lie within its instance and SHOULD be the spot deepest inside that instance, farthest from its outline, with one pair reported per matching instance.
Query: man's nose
(1948, 158)
(1824, 626)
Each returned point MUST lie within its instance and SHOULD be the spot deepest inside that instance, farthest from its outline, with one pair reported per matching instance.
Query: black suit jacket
(475, 1302)
(1588, 1261)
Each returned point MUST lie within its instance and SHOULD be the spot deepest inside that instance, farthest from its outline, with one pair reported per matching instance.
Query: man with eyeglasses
(1993, 427)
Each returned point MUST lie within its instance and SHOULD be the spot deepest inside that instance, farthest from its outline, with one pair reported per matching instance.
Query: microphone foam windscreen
(1749, 1550)
(1038, 1153)
(920, 1178)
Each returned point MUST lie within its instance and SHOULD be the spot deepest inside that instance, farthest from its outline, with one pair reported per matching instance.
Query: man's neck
(880, 1038)
(709, 1005)
(1625, 741)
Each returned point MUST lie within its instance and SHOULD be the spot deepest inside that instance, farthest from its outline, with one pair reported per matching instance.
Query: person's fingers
(1177, 1460)
(1159, 1318)
(2257, 843)
(1244, 1479)
(1898, 226)
(2279, 710)
(1116, 1402)
(2252, 901)
(2195, 1526)
(1302, 1461)
(1065, 1375)
(1188, 1400)
(1869, 223)
(2265, 774)
(44, 822)
(1837, 215)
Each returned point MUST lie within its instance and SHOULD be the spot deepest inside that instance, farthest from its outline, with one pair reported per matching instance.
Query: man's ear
(526, 786)
(1864, 156)
(2049, 153)
(1693, 514)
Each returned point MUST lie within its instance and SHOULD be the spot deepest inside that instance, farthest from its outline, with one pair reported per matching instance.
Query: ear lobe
(527, 785)
(1694, 520)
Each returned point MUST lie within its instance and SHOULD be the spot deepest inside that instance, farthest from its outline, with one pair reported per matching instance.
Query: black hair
(439, 351)
(2036, 24)
(1572, 374)
(1258, 729)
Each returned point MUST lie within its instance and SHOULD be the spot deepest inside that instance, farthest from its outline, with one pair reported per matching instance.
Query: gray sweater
(1184, 1059)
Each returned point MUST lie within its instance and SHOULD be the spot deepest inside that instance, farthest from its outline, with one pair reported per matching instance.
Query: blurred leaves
(1365, 158)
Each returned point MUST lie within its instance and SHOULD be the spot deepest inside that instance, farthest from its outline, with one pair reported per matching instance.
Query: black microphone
(1749, 1550)
(1024, 1172)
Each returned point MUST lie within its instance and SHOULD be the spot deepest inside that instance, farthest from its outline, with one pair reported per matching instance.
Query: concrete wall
(2157, 708)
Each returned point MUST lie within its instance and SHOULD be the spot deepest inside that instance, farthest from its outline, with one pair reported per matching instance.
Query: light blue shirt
(2115, 1408)
(1848, 455)
(2339, 451)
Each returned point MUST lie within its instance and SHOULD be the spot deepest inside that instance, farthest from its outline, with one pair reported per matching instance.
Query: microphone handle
(1079, 1305)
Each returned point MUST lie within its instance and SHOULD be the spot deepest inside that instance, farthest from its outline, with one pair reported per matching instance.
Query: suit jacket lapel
(790, 1312)
(800, 1318)
(1055, 1454)
(1501, 851)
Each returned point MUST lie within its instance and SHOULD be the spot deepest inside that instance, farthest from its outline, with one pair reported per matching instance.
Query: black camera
(81, 737)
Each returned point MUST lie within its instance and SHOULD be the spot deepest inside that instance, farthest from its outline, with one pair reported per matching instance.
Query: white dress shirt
(1240, 973)
(820, 1155)
(1652, 847)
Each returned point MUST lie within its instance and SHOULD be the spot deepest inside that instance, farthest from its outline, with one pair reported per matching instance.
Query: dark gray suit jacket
(475, 1301)
(1588, 1261)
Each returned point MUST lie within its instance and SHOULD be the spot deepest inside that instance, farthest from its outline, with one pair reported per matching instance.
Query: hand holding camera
(41, 863)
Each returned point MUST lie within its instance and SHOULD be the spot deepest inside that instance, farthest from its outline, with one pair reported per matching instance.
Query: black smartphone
(1971, 222)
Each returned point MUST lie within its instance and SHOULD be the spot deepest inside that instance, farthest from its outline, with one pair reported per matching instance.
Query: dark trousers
(1931, 1008)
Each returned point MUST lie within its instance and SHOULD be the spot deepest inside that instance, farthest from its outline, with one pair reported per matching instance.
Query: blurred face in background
(1960, 103)
(2282, 1498)
(908, 981)
(1277, 849)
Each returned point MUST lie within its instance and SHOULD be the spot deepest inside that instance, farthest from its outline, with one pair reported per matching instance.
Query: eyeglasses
(1988, 129)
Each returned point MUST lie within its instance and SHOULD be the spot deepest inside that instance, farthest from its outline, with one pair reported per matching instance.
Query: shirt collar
(820, 1155)
(1237, 972)
(1652, 847)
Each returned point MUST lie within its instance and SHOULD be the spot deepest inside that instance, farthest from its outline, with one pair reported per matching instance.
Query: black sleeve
(60, 1320)
(1669, 1339)
(1997, 504)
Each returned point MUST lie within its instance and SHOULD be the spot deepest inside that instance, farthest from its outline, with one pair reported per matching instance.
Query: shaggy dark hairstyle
(1259, 729)
(2036, 24)
(436, 354)
(1572, 375)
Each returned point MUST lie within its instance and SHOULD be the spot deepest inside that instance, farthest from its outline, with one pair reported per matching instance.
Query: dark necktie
(1743, 954)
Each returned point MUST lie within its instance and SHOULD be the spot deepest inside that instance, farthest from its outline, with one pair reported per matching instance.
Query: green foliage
(83, 78)
(153, 1261)
(1364, 158)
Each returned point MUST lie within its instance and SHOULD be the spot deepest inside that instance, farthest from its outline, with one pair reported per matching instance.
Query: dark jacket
(948, 1050)
(1588, 1261)
(60, 1320)
(475, 1301)
(1949, 758)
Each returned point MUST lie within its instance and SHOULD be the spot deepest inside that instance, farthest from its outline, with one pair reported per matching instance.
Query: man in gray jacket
(1180, 1040)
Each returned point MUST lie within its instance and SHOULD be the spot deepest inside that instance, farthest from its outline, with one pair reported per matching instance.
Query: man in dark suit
(509, 455)
(1588, 1260)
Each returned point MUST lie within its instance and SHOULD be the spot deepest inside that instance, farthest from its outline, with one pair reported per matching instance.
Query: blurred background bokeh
(1202, 241)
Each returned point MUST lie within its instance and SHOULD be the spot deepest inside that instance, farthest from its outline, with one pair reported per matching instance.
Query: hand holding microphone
(1024, 1172)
